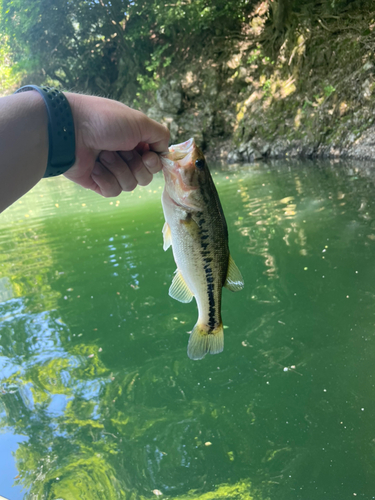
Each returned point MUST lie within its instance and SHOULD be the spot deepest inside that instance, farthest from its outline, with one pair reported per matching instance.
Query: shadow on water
(96, 386)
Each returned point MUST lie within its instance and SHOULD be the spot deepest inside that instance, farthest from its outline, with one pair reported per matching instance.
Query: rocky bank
(315, 97)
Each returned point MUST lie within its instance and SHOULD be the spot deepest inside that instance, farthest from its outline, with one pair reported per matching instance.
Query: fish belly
(200, 256)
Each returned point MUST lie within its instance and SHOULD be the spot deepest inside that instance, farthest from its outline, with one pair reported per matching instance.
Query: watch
(61, 134)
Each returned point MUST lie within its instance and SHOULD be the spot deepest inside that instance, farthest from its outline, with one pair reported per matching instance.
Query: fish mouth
(180, 172)
(178, 158)
(181, 153)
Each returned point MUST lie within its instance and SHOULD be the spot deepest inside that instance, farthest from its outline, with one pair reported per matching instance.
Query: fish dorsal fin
(167, 236)
(179, 289)
(234, 281)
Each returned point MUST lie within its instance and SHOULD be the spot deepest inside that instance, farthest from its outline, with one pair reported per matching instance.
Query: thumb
(105, 124)
(153, 133)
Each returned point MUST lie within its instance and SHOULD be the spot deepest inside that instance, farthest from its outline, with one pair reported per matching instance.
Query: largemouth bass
(196, 229)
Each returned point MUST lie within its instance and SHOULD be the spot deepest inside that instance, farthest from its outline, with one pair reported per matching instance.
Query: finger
(119, 168)
(152, 162)
(154, 134)
(138, 169)
(106, 182)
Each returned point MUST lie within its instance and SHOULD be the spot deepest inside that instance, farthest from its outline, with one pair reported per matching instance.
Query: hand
(116, 146)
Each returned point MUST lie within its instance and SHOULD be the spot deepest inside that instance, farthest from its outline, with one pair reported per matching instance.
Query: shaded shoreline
(362, 148)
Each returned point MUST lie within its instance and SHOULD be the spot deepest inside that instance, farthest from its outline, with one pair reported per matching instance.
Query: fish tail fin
(202, 341)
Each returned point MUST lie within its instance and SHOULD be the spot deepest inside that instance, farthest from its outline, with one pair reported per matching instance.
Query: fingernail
(107, 157)
(127, 155)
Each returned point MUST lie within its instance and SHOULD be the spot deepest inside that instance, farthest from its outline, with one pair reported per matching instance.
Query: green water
(98, 399)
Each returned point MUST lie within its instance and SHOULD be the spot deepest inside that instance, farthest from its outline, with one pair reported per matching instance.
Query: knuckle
(136, 167)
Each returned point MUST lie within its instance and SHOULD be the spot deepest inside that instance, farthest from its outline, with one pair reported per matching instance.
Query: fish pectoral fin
(167, 236)
(190, 225)
(179, 289)
(202, 341)
(234, 281)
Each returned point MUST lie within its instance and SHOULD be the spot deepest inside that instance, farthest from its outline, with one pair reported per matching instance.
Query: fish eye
(199, 164)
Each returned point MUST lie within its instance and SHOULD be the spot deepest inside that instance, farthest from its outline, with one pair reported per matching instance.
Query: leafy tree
(119, 47)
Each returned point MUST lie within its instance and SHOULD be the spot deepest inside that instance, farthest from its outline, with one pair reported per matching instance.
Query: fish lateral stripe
(212, 322)
(193, 211)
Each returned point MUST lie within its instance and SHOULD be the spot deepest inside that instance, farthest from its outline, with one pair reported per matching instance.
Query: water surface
(98, 399)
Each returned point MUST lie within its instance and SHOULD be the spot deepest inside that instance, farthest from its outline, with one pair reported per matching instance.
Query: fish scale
(196, 229)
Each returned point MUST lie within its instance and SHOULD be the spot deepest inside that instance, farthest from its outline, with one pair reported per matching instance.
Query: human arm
(23, 145)
(103, 128)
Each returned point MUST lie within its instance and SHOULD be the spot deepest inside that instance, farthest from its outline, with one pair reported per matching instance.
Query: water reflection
(94, 372)
(50, 393)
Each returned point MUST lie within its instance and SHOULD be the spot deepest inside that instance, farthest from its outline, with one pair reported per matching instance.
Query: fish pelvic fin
(179, 289)
(234, 281)
(202, 341)
(167, 236)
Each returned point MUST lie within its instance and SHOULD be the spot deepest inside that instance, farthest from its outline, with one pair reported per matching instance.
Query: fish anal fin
(167, 236)
(234, 281)
(179, 289)
(202, 341)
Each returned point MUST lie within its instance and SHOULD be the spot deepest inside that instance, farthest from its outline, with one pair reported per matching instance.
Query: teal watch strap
(61, 134)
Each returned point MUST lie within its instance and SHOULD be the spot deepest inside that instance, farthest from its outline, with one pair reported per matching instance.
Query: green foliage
(328, 90)
(8, 77)
(116, 48)
(267, 88)
(254, 56)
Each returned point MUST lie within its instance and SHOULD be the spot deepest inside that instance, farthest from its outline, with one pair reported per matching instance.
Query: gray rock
(367, 66)
(233, 157)
(192, 124)
(169, 97)
(256, 155)
(243, 147)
